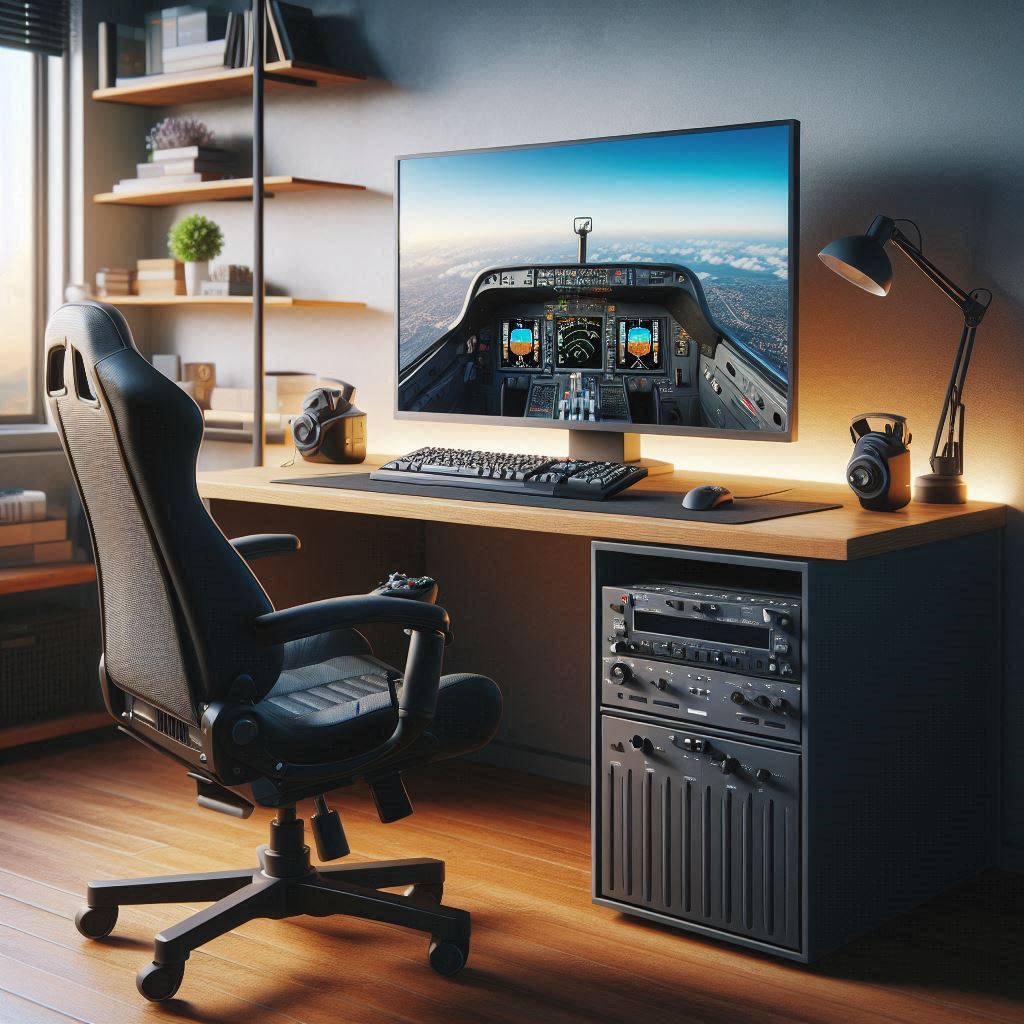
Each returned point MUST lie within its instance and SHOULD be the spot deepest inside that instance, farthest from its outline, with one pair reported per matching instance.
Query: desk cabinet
(880, 795)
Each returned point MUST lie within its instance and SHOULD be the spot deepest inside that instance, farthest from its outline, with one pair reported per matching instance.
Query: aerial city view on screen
(715, 203)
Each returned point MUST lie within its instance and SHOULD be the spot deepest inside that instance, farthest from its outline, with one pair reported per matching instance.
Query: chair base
(285, 885)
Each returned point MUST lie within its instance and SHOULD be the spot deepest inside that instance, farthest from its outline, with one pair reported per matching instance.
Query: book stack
(228, 279)
(230, 413)
(192, 39)
(27, 537)
(180, 41)
(115, 281)
(20, 506)
(186, 165)
(290, 34)
(160, 277)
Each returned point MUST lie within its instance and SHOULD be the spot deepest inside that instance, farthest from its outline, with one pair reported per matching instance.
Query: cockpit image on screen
(638, 344)
(654, 273)
(520, 344)
(578, 342)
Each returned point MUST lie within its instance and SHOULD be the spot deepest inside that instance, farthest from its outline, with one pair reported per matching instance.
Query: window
(31, 192)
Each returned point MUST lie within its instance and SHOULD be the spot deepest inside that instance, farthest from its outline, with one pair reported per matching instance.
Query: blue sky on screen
(720, 184)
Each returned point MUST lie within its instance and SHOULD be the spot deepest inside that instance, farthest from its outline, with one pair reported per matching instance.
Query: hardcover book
(18, 505)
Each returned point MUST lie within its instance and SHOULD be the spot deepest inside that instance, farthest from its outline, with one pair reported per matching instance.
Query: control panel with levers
(697, 694)
(523, 474)
(626, 343)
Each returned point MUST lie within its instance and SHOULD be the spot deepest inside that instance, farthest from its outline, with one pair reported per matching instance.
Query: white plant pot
(195, 275)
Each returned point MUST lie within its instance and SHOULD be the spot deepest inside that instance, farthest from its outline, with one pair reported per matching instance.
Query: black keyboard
(523, 474)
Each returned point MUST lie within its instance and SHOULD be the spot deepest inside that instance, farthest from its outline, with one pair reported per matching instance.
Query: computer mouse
(706, 497)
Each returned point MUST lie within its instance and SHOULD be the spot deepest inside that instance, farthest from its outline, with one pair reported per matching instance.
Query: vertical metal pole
(257, 230)
(40, 280)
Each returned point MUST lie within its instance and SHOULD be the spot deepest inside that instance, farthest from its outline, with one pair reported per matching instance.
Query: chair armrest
(428, 625)
(260, 545)
(348, 612)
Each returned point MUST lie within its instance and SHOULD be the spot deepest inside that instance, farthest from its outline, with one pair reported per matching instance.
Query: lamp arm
(949, 456)
(972, 310)
(952, 405)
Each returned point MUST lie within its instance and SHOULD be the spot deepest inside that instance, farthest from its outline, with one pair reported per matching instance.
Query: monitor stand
(611, 446)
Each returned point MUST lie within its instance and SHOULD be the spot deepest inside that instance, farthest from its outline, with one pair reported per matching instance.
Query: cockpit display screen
(578, 342)
(520, 344)
(572, 277)
(638, 344)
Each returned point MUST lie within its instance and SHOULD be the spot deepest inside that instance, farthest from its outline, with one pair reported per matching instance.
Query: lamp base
(940, 489)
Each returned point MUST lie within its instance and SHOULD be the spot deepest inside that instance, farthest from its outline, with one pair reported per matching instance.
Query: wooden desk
(889, 793)
(845, 533)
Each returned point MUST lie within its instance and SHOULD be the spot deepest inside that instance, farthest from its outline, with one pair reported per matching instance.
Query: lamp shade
(860, 259)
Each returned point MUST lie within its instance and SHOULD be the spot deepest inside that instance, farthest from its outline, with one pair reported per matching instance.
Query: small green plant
(195, 239)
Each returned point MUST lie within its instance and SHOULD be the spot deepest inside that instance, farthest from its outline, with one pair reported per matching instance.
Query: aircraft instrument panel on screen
(669, 304)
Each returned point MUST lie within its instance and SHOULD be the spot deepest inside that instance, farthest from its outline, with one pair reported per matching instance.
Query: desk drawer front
(680, 837)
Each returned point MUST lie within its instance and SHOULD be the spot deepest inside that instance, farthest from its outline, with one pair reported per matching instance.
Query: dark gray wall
(908, 108)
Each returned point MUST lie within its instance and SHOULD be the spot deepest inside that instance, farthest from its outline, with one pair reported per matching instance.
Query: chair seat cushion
(331, 701)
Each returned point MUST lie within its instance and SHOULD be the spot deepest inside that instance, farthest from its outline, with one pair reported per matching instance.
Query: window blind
(37, 25)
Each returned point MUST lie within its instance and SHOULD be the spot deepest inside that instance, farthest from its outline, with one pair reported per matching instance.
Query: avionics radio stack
(786, 753)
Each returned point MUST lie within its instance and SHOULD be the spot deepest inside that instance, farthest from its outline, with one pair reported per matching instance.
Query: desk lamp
(862, 260)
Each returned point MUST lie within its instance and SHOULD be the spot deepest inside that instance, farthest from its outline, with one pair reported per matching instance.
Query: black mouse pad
(652, 504)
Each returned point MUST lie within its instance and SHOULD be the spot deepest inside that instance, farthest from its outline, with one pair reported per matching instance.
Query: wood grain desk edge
(814, 535)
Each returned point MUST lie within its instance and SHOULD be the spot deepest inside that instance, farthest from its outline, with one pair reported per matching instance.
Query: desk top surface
(844, 533)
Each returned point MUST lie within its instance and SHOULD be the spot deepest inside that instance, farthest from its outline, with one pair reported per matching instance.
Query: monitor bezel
(618, 427)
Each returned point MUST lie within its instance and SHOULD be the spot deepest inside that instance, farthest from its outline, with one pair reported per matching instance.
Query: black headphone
(879, 471)
(330, 428)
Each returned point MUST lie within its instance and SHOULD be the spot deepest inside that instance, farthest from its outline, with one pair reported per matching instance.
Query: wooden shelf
(208, 191)
(271, 301)
(34, 732)
(22, 578)
(218, 84)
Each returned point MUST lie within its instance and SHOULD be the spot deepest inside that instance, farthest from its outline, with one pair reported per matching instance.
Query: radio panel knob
(621, 672)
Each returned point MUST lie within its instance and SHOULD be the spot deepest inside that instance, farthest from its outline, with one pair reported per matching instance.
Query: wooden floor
(518, 858)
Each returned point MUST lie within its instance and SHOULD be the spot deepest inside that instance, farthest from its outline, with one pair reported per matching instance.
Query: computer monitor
(617, 286)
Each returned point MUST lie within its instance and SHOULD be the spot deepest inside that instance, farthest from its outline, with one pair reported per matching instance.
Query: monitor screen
(655, 272)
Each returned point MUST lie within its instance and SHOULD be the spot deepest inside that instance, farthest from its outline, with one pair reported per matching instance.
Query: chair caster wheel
(432, 891)
(96, 922)
(158, 982)
(448, 958)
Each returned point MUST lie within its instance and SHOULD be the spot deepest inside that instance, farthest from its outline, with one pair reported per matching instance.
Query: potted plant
(195, 240)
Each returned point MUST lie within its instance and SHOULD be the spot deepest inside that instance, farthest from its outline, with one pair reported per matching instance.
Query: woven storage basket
(49, 658)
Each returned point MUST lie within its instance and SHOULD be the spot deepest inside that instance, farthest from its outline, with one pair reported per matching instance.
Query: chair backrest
(177, 600)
